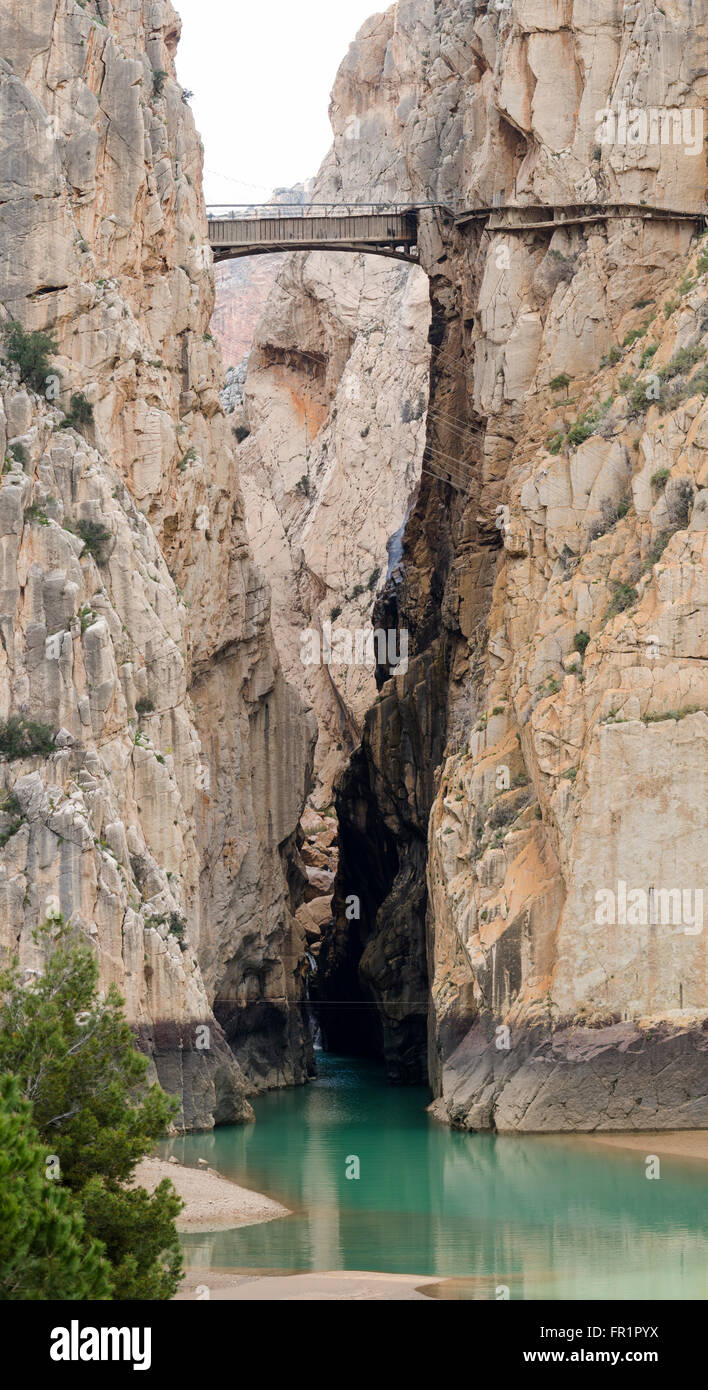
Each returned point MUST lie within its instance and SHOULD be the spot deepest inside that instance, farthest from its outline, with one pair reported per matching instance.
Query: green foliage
(632, 337)
(581, 642)
(30, 352)
(96, 538)
(661, 477)
(144, 705)
(80, 412)
(648, 353)
(624, 595)
(681, 362)
(73, 1055)
(23, 738)
(560, 383)
(698, 384)
(612, 357)
(374, 579)
(679, 503)
(178, 928)
(670, 307)
(682, 713)
(657, 548)
(582, 429)
(159, 79)
(335, 613)
(45, 1251)
(20, 455)
(10, 808)
(36, 513)
(555, 443)
(187, 458)
(138, 1231)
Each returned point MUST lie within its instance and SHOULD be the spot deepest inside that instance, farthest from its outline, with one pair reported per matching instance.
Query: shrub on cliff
(45, 1252)
(96, 538)
(80, 412)
(73, 1056)
(24, 738)
(30, 352)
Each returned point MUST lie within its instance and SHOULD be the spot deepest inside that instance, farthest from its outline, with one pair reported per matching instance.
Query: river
(537, 1216)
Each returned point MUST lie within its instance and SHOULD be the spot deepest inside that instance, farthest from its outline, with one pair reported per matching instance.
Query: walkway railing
(391, 229)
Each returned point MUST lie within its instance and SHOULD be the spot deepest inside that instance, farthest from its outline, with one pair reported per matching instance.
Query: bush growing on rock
(30, 352)
(96, 539)
(11, 811)
(679, 502)
(624, 595)
(24, 738)
(80, 412)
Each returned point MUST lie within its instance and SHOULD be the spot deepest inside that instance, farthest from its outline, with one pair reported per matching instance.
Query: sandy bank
(212, 1202)
(226, 1285)
(679, 1143)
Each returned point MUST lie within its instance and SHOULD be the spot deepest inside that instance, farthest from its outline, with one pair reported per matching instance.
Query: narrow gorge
(358, 696)
(518, 905)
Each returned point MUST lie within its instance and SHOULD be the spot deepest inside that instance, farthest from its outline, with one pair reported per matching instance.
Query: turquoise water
(546, 1217)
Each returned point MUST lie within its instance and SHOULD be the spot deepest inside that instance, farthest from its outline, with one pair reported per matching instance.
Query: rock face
(163, 825)
(242, 290)
(524, 822)
(334, 409)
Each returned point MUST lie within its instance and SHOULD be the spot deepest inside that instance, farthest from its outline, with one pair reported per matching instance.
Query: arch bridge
(391, 229)
(382, 229)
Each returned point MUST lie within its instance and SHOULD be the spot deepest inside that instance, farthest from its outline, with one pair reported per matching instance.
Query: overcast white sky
(261, 72)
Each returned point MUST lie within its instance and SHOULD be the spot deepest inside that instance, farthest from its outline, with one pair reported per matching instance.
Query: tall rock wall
(335, 404)
(163, 824)
(544, 757)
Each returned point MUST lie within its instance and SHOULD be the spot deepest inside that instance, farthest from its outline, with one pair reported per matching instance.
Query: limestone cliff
(134, 622)
(334, 412)
(544, 756)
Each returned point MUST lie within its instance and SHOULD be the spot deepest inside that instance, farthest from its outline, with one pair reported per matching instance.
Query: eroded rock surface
(163, 824)
(548, 741)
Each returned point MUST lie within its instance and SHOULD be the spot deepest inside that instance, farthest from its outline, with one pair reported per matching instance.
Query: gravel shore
(213, 1203)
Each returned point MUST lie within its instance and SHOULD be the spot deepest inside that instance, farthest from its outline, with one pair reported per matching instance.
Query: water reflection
(548, 1217)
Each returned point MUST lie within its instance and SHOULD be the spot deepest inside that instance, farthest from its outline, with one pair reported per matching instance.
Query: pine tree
(45, 1252)
(74, 1057)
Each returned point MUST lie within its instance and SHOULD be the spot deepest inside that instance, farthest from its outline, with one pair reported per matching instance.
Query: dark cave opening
(369, 993)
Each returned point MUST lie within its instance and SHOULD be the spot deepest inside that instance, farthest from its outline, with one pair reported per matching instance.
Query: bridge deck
(251, 235)
(393, 231)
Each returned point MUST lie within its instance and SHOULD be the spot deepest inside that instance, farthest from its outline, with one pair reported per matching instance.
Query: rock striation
(523, 821)
(134, 620)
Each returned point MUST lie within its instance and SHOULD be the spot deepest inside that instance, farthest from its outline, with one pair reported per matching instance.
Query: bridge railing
(226, 212)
